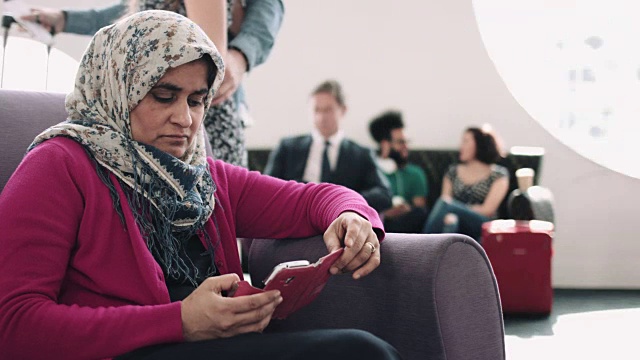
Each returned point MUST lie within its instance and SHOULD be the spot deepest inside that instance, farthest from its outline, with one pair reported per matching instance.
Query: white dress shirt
(313, 170)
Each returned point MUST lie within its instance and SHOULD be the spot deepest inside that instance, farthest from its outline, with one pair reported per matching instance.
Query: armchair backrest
(23, 115)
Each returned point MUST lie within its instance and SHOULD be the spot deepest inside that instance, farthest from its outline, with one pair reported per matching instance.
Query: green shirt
(409, 182)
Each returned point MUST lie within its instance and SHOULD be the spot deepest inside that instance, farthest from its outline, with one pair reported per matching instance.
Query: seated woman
(119, 236)
(471, 190)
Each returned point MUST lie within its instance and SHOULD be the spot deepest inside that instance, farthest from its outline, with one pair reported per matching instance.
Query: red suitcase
(520, 254)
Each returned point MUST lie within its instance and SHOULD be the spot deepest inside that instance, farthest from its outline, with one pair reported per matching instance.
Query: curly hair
(487, 148)
(381, 126)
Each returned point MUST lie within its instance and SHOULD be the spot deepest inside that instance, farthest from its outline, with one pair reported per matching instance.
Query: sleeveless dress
(473, 194)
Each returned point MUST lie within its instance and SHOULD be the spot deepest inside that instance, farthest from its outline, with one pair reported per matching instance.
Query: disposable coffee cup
(525, 179)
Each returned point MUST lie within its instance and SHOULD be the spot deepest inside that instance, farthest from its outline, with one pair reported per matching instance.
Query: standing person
(471, 190)
(408, 182)
(252, 32)
(119, 236)
(326, 155)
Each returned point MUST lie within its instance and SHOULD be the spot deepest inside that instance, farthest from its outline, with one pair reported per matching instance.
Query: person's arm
(81, 22)
(251, 45)
(496, 194)
(88, 22)
(41, 211)
(211, 16)
(422, 189)
(277, 162)
(266, 207)
(262, 21)
(447, 186)
(376, 188)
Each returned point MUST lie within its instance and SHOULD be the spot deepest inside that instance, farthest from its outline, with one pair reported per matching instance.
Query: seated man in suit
(408, 182)
(326, 155)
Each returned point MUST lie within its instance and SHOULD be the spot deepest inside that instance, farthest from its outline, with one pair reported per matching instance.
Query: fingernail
(334, 270)
(279, 300)
(278, 293)
(356, 276)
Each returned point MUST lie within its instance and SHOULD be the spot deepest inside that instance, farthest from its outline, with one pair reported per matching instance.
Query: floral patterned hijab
(121, 65)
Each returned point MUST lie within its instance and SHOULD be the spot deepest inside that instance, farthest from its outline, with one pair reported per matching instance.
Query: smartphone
(285, 265)
(299, 283)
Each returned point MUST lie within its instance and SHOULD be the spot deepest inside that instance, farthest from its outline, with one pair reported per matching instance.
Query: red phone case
(299, 286)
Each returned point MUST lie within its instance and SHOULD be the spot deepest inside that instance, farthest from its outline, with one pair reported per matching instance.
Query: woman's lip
(176, 136)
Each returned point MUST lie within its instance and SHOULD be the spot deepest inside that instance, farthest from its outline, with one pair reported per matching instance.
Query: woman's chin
(175, 151)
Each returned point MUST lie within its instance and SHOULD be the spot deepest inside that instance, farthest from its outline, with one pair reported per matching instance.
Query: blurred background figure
(244, 31)
(407, 181)
(326, 155)
(471, 190)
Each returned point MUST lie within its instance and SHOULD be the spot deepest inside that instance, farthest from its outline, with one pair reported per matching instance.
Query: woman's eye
(163, 99)
(195, 102)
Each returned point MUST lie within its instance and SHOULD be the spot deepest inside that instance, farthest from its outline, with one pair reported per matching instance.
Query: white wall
(426, 58)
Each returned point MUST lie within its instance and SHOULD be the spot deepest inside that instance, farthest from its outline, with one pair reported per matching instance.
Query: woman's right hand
(206, 314)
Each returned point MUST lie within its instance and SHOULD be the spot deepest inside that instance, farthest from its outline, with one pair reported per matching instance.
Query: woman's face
(169, 116)
(467, 147)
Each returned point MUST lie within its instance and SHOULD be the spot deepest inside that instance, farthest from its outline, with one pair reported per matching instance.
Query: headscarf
(171, 198)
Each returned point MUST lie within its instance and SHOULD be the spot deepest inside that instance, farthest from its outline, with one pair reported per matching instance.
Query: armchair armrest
(433, 296)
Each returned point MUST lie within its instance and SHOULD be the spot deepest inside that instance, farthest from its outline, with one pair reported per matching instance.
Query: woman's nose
(181, 114)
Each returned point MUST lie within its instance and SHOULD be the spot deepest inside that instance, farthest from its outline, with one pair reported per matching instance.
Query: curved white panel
(574, 66)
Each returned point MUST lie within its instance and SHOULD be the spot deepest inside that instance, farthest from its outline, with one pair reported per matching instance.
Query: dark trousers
(313, 344)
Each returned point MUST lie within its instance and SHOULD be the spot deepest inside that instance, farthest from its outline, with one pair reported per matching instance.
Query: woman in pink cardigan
(118, 235)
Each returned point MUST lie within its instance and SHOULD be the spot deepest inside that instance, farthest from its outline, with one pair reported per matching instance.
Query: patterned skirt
(226, 133)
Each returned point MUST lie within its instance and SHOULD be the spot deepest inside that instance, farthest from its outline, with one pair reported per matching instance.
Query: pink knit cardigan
(77, 283)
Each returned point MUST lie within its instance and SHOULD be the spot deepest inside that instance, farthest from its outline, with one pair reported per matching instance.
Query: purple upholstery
(23, 115)
(433, 297)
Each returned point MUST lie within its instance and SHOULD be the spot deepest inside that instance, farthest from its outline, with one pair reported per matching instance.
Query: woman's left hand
(362, 249)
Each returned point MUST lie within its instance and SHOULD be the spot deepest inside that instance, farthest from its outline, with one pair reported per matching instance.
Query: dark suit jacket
(355, 169)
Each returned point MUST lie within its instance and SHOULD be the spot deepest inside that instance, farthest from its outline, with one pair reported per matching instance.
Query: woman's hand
(362, 249)
(235, 68)
(49, 18)
(206, 314)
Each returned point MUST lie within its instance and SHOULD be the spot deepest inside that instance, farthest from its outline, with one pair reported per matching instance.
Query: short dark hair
(487, 149)
(381, 126)
(333, 88)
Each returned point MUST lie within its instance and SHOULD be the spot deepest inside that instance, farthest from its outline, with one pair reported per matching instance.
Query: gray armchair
(433, 297)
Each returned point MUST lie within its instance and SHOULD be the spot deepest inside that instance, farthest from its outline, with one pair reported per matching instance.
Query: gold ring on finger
(372, 247)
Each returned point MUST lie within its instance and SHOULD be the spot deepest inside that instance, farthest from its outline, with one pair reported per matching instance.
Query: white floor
(607, 334)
